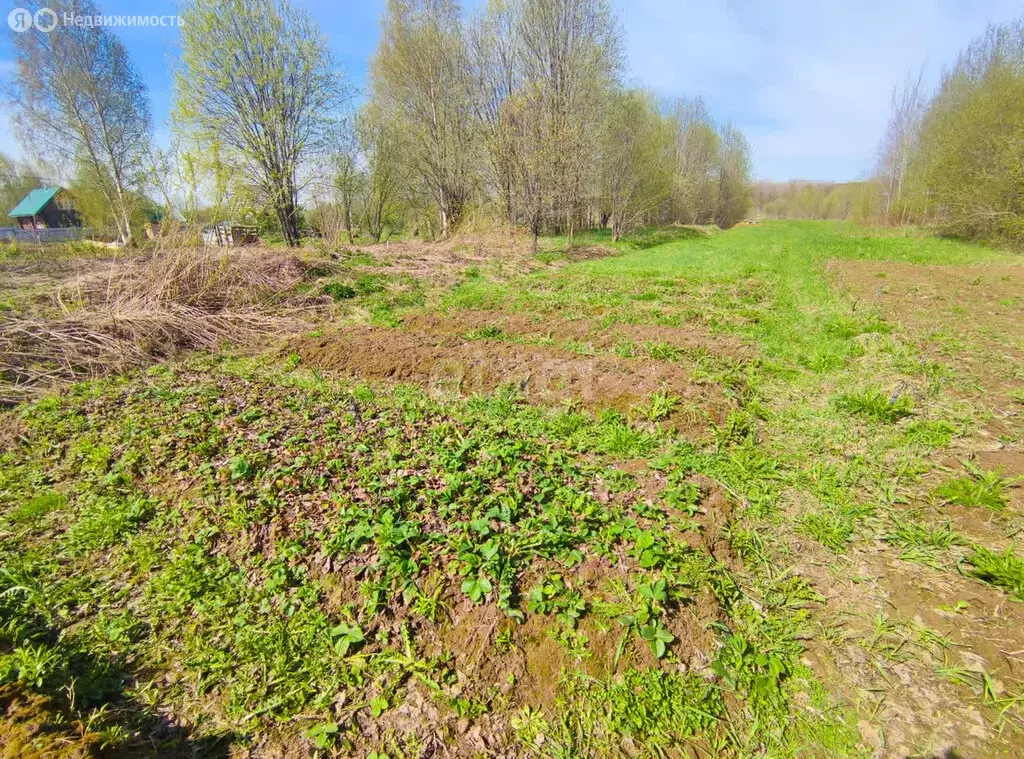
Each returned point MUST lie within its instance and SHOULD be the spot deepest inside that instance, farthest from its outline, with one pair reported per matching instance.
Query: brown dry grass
(148, 308)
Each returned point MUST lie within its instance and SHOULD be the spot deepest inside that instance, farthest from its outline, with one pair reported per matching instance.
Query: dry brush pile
(148, 308)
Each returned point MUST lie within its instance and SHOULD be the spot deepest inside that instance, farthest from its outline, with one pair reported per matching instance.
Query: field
(747, 493)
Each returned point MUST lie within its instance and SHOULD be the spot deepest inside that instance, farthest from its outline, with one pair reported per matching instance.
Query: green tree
(968, 169)
(256, 78)
(16, 181)
(733, 178)
(636, 146)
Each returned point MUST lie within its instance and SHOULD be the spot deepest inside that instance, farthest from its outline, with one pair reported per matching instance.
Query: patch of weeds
(38, 506)
(487, 332)
(659, 709)
(553, 596)
(368, 284)
(1005, 570)
(614, 435)
(846, 327)
(662, 351)
(627, 349)
(576, 346)
(932, 434)
(105, 521)
(978, 488)
(659, 406)
(338, 291)
(642, 613)
(922, 543)
(832, 529)
(875, 405)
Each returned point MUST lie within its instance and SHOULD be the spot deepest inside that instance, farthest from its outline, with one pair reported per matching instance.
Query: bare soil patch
(690, 338)
(981, 306)
(454, 364)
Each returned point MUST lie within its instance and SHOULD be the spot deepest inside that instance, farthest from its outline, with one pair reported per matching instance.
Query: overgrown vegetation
(271, 555)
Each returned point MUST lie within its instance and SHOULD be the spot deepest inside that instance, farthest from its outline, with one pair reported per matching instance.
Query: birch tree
(572, 50)
(899, 144)
(421, 82)
(256, 76)
(635, 159)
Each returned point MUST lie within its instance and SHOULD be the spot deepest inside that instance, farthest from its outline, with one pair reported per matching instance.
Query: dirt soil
(450, 363)
(982, 306)
(692, 337)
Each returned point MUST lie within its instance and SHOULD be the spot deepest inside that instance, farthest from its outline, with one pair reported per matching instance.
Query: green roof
(34, 202)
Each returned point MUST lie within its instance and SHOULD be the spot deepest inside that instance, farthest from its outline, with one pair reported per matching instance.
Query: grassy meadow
(753, 493)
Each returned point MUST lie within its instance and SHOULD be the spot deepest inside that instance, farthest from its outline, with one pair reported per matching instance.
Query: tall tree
(420, 82)
(697, 159)
(257, 78)
(572, 49)
(78, 99)
(495, 52)
(380, 148)
(899, 144)
(635, 159)
(968, 166)
(733, 178)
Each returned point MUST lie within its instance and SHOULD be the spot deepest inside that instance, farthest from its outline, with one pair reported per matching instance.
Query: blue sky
(807, 81)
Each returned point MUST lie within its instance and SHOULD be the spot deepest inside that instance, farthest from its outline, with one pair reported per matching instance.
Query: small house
(45, 208)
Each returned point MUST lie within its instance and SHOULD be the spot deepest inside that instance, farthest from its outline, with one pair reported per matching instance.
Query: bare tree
(496, 60)
(899, 143)
(420, 79)
(257, 78)
(572, 49)
(380, 148)
(77, 97)
(524, 131)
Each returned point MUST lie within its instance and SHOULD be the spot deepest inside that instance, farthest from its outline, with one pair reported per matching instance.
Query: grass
(876, 405)
(976, 489)
(278, 556)
(1005, 570)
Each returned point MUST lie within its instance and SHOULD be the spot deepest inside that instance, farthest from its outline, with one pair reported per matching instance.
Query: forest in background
(953, 159)
(515, 115)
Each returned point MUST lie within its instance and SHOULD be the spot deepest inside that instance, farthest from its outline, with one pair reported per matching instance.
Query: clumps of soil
(688, 339)
(543, 373)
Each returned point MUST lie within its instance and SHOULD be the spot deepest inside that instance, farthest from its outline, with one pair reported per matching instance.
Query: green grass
(1005, 570)
(977, 489)
(263, 550)
(875, 405)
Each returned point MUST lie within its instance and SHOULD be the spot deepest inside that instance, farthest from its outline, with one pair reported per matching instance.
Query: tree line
(514, 115)
(956, 158)
(952, 159)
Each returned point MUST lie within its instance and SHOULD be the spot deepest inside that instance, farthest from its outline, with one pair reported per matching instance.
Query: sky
(807, 81)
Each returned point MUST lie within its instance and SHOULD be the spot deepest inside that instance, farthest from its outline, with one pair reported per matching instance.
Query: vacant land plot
(753, 493)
